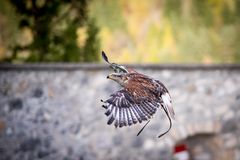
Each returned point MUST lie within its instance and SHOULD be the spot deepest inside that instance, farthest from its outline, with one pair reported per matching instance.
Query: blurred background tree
(47, 31)
(153, 31)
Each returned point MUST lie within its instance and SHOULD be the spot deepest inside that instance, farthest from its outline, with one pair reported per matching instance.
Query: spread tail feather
(167, 104)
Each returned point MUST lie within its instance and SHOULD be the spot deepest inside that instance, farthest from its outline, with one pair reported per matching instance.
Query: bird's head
(121, 78)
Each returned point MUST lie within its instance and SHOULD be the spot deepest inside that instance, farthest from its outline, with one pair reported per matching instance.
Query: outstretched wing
(116, 67)
(123, 110)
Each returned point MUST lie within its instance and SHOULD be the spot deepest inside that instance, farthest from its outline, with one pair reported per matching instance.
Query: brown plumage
(139, 99)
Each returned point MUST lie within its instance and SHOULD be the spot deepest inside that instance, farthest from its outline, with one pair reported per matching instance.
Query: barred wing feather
(123, 110)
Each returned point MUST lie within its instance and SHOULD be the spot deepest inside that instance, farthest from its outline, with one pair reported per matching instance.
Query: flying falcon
(138, 100)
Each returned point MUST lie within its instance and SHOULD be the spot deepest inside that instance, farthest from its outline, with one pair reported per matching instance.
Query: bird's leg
(143, 128)
(170, 121)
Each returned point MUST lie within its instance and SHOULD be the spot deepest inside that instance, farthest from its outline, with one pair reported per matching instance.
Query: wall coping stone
(95, 67)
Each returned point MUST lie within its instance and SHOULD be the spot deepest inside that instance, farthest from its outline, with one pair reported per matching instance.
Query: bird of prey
(138, 100)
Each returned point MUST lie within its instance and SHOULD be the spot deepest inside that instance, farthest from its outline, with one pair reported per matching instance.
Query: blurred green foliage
(153, 31)
(47, 31)
(170, 31)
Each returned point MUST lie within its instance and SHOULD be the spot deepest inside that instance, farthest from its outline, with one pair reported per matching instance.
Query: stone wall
(55, 113)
